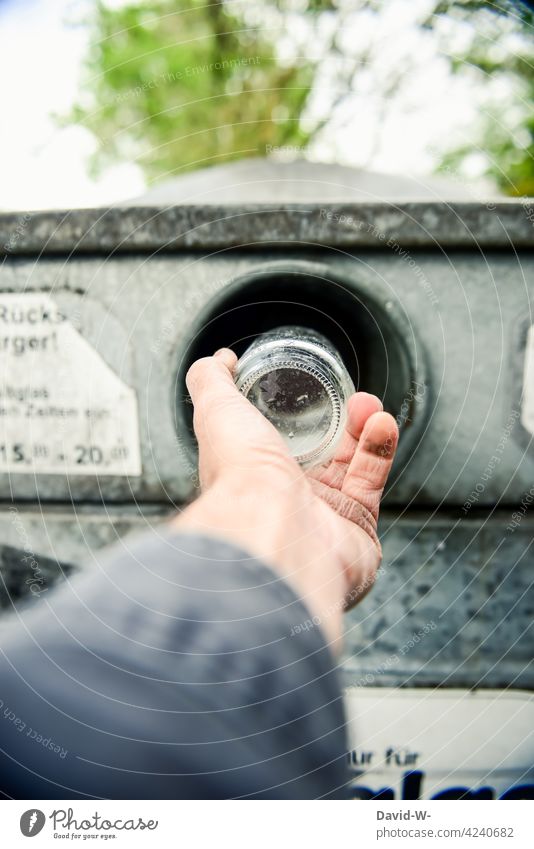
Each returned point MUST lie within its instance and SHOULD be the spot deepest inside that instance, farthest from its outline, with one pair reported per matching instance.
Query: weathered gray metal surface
(452, 606)
(41, 546)
(462, 316)
(434, 297)
(503, 224)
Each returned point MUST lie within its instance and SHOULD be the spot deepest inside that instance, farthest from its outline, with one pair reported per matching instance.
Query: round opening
(373, 339)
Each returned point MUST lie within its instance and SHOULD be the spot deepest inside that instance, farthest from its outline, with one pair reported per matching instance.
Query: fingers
(230, 431)
(226, 356)
(347, 508)
(210, 381)
(370, 466)
(360, 406)
(219, 412)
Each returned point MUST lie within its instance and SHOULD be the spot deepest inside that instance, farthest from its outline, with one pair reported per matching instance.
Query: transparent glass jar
(297, 379)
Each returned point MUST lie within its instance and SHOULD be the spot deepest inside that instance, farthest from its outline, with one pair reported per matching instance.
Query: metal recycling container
(429, 304)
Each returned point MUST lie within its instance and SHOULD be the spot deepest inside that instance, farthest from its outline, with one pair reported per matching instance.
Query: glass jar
(297, 379)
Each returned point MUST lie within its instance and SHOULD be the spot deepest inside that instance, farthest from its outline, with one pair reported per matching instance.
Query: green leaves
(178, 85)
(181, 84)
(501, 49)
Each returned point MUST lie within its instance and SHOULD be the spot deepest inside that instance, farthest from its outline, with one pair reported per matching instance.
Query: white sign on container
(63, 410)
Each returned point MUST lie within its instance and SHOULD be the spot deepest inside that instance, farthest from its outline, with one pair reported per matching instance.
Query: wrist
(270, 521)
(252, 516)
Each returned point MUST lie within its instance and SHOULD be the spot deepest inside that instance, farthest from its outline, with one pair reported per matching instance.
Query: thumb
(211, 374)
(232, 434)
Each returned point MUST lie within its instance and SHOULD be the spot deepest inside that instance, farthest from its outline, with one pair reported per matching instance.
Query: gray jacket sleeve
(178, 668)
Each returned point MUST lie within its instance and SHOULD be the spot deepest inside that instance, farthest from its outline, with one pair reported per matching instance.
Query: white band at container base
(63, 410)
(418, 744)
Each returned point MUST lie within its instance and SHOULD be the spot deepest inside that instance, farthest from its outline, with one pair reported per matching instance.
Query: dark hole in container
(363, 332)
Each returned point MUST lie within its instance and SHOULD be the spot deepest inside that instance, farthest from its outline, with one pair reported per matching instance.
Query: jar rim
(257, 373)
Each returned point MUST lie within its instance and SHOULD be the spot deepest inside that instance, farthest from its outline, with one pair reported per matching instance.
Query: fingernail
(383, 449)
(373, 397)
(227, 357)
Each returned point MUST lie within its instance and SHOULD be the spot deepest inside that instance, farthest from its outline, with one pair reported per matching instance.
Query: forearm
(273, 530)
(171, 672)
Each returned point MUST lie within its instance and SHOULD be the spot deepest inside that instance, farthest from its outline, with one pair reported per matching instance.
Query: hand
(318, 528)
